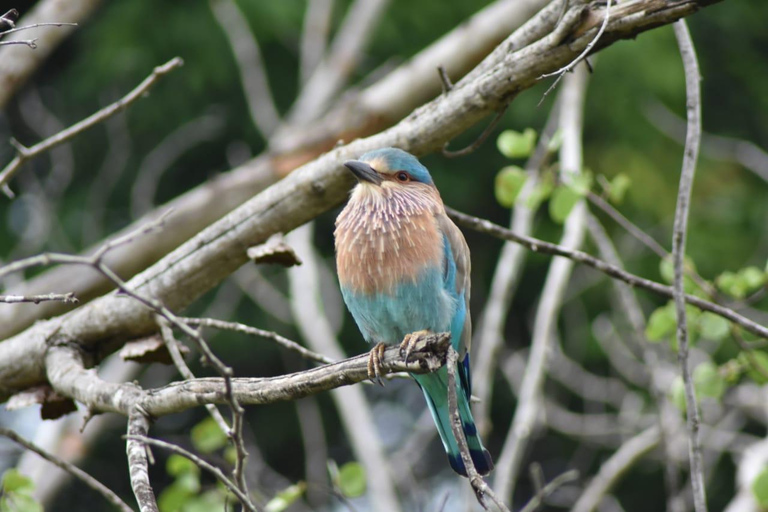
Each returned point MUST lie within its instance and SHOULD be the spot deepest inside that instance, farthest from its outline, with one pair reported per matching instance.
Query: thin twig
(253, 331)
(541, 246)
(562, 71)
(172, 345)
(26, 153)
(690, 155)
(37, 299)
(479, 486)
(69, 468)
(541, 494)
(218, 473)
(445, 80)
(616, 467)
(479, 141)
(35, 25)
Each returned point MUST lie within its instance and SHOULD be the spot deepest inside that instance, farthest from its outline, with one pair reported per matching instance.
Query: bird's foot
(409, 343)
(374, 363)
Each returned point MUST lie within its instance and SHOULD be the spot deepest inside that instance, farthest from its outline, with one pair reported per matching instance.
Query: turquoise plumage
(403, 268)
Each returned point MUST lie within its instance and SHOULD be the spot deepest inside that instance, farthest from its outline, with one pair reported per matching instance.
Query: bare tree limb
(253, 331)
(78, 473)
(528, 411)
(253, 74)
(612, 470)
(37, 299)
(692, 140)
(17, 64)
(314, 36)
(138, 465)
(26, 153)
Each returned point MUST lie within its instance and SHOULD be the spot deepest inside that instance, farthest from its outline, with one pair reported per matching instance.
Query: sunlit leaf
(540, 192)
(286, 497)
(618, 188)
(677, 394)
(19, 502)
(760, 488)
(13, 481)
(352, 479)
(207, 436)
(714, 327)
(509, 182)
(661, 323)
(755, 364)
(177, 465)
(707, 381)
(514, 144)
(562, 202)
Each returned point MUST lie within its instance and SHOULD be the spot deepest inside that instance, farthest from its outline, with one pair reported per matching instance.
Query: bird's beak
(363, 172)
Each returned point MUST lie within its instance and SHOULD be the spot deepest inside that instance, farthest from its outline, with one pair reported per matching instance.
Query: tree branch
(691, 153)
(23, 153)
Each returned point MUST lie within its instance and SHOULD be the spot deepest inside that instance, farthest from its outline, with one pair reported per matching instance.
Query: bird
(404, 272)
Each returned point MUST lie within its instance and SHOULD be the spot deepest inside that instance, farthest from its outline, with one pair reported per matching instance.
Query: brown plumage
(386, 235)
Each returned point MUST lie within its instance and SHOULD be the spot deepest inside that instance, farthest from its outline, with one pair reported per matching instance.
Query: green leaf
(707, 381)
(540, 192)
(760, 488)
(618, 188)
(677, 394)
(555, 142)
(286, 497)
(739, 284)
(753, 277)
(13, 481)
(352, 479)
(18, 502)
(661, 323)
(563, 201)
(582, 182)
(509, 182)
(755, 365)
(214, 499)
(177, 465)
(207, 436)
(174, 498)
(514, 144)
(714, 327)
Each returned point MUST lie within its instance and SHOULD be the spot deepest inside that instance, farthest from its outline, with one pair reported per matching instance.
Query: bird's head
(390, 169)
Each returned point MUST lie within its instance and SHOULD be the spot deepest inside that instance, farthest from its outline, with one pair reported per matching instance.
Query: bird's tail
(435, 388)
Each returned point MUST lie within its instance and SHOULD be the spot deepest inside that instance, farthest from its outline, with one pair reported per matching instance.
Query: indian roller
(403, 268)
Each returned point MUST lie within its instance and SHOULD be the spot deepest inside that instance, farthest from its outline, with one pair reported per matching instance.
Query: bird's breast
(379, 246)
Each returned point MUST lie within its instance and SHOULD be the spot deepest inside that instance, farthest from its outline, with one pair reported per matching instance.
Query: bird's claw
(375, 362)
(409, 343)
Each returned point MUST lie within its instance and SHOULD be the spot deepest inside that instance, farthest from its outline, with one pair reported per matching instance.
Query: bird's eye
(403, 176)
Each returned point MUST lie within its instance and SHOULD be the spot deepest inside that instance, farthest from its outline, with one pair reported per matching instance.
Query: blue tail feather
(435, 388)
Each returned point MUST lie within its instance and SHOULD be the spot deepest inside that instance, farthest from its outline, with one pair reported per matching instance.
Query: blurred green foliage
(728, 242)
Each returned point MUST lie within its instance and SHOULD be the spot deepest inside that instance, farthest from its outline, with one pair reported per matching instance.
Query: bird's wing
(459, 251)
